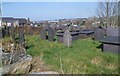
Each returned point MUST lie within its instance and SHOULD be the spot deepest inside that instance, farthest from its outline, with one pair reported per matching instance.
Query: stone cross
(50, 34)
(67, 38)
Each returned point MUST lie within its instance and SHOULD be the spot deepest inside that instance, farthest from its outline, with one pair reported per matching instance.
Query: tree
(108, 11)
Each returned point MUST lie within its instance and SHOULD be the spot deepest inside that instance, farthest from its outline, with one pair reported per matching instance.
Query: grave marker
(13, 32)
(67, 38)
(99, 34)
(112, 31)
(43, 33)
(21, 38)
(50, 34)
(7, 30)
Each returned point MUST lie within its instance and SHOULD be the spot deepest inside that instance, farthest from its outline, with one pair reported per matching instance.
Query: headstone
(54, 29)
(65, 28)
(50, 34)
(71, 28)
(7, 31)
(22, 42)
(13, 32)
(67, 38)
(112, 31)
(21, 37)
(99, 34)
(43, 33)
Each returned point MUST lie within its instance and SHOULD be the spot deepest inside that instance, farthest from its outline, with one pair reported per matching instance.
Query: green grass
(82, 58)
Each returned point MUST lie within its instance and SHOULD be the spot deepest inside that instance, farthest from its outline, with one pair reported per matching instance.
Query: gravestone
(71, 28)
(12, 32)
(50, 34)
(67, 38)
(7, 30)
(21, 38)
(43, 34)
(99, 34)
(113, 31)
(65, 28)
(111, 44)
(22, 42)
(54, 29)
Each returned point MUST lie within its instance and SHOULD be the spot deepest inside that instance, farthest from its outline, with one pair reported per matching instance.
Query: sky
(48, 10)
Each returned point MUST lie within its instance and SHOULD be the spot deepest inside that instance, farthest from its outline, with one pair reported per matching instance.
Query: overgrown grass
(82, 58)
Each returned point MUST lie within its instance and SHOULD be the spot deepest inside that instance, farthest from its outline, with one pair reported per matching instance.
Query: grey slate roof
(11, 19)
(8, 19)
(21, 20)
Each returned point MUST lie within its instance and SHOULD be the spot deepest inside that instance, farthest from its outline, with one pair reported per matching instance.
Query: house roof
(8, 19)
(11, 19)
(21, 20)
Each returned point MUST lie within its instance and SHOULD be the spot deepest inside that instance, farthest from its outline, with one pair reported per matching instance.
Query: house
(22, 21)
(7, 21)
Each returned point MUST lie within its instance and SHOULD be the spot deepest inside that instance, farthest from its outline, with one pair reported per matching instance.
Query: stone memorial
(22, 42)
(67, 38)
(43, 34)
(75, 36)
(7, 31)
(50, 34)
(86, 34)
(111, 44)
(65, 28)
(112, 31)
(12, 32)
(21, 37)
(99, 34)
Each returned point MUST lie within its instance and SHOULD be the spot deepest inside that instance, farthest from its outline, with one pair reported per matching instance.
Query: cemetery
(77, 50)
(60, 37)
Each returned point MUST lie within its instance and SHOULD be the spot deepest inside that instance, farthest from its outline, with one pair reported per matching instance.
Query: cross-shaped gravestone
(50, 34)
(43, 33)
(67, 38)
(99, 34)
